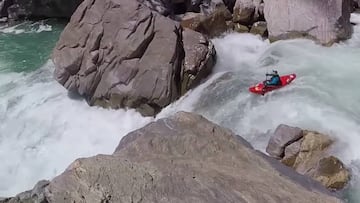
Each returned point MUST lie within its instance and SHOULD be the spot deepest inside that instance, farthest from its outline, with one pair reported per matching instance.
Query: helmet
(275, 71)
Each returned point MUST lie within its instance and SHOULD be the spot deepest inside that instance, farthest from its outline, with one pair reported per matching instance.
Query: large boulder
(182, 158)
(247, 12)
(199, 59)
(283, 136)
(325, 21)
(308, 153)
(211, 25)
(122, 54)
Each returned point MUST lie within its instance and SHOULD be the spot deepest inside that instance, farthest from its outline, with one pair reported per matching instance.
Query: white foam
(42, 130)
(27, 27)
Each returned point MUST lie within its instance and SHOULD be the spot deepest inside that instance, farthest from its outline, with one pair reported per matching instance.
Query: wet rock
(211, 25)
(332, 173)
(183, 158)
(326, 21)
(247, 12)
(240, 28)
(309, 156)
(121, 54)
(291, 153)
(200, 57)
(244, 11)
(259, 28)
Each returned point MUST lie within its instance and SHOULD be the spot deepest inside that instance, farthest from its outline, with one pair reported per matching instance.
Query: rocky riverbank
(182, 158)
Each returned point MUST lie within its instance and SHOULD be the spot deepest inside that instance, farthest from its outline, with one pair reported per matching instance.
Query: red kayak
(285, 80)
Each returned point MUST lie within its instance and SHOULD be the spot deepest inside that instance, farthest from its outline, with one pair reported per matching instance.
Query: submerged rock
(308, 153)
(323, 21)
(122, 54)
(183, 158)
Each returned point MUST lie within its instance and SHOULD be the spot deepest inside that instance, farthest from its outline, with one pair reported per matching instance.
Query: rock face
(39, 8)
(199, 59)
(122, 54)
(183, 158)
(307, 152)
(211, 25)
(246, 12)
(325, 21)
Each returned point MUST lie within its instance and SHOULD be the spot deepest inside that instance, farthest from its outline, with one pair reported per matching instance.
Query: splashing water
(324, 96)
(42, 128)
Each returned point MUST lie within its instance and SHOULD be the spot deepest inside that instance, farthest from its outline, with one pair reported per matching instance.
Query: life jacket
(275, 80)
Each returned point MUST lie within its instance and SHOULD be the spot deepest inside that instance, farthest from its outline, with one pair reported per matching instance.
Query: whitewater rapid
(324, 97)
(43, 129)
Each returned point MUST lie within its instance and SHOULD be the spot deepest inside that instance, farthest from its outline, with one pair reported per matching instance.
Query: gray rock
(321, 20)
(309, 156)
(212, 25)
(122, 54)
(183, 158)
(259, 28)
(291, 152)
(241, 28)
(244, 11)
(36, 195)
(200, 57)
(284, 135)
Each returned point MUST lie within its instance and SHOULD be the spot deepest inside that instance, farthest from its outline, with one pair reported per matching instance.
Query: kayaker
(274, 80)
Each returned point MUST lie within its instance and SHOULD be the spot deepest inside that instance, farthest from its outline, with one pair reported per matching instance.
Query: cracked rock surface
(182, 158)
(119, 53)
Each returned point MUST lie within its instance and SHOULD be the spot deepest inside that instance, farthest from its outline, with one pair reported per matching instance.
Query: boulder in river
(308, 153)
(122, 54)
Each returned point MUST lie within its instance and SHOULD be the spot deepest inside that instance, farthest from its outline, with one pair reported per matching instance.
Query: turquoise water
(27, 46)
